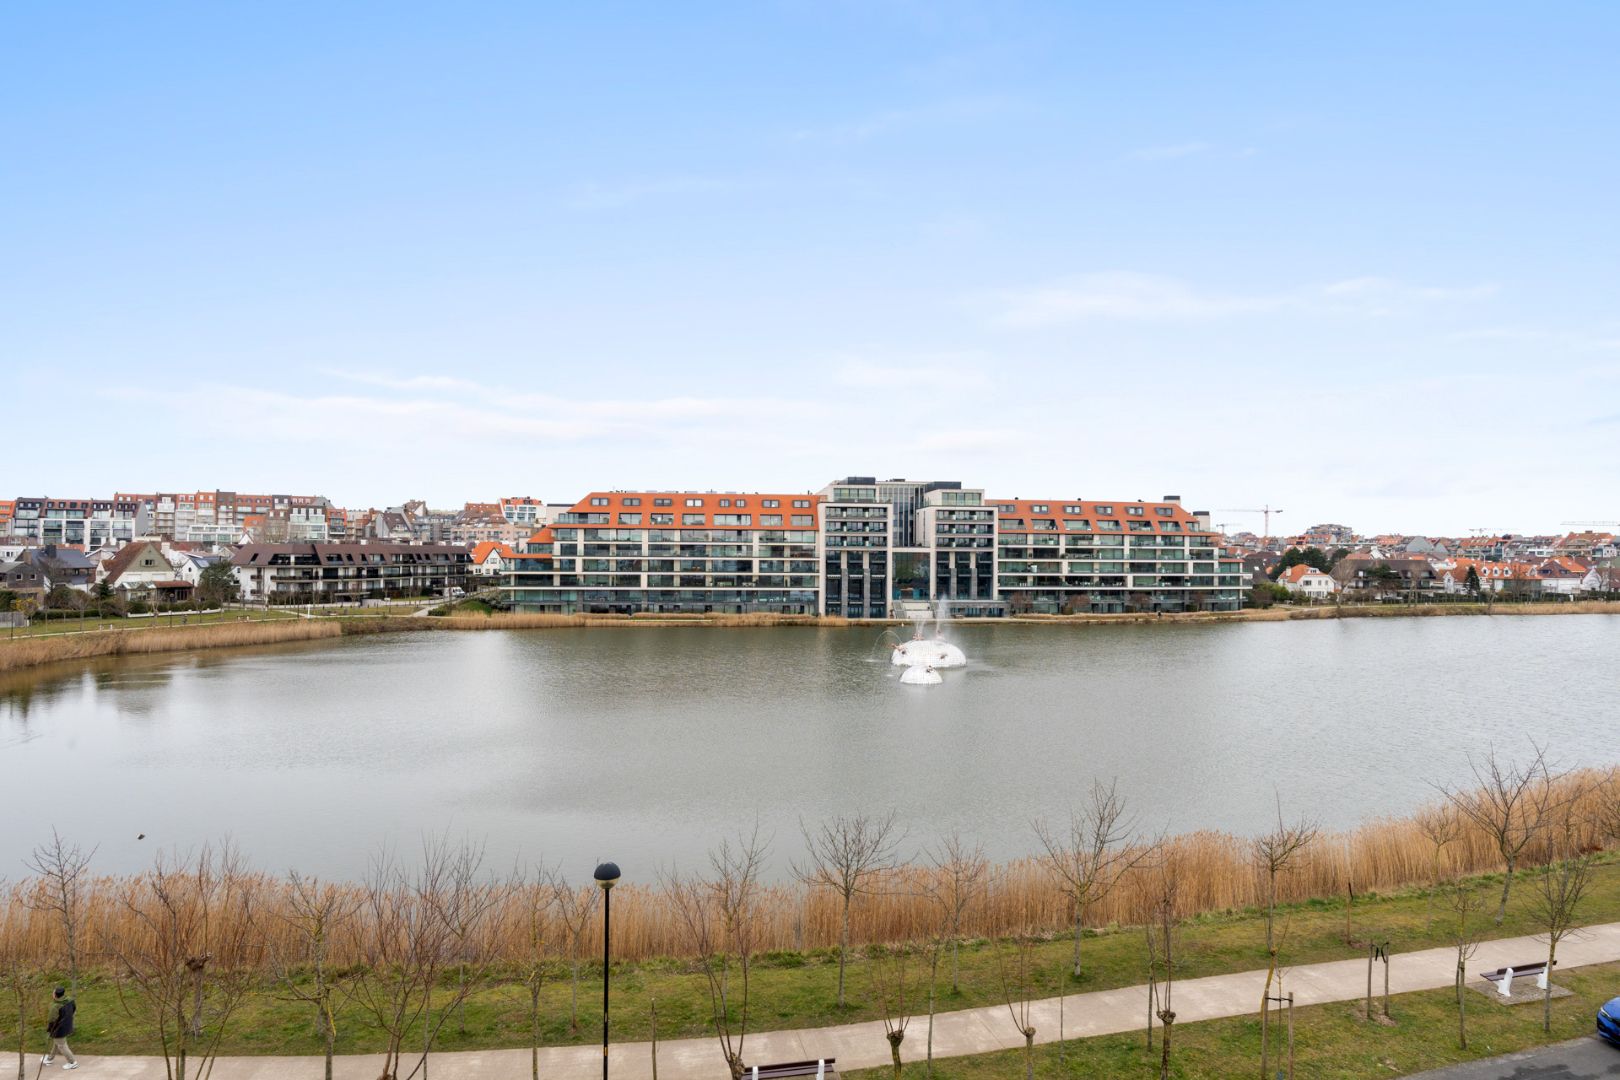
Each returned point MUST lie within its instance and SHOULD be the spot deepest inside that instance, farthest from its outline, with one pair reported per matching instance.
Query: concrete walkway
(970, 1031)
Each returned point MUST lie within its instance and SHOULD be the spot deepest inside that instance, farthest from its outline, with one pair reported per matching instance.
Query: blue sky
(1358, 261)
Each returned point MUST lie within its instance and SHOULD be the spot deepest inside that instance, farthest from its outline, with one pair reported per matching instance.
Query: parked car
(1608, 1022)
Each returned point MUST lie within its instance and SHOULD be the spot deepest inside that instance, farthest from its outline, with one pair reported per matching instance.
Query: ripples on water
(647, 744)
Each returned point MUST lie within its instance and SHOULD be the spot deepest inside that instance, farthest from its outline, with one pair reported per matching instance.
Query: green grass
(1331, 1042)
(793, 990)
(90, 623)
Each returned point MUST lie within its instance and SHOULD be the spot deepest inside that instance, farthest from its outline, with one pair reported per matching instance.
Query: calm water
(646, 745)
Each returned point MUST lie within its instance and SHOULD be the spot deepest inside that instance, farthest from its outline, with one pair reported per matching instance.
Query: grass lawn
(1331, 1042)
(792, 990)
(50, 627)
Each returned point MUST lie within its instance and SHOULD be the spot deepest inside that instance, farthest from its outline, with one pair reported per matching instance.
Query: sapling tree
(1560, 887)
(892, 979)
(1015, 969)
(849, 856)
(1466, 904)
(320, 916)
(1160, 916)
(1511, 802)
(19, 971)
(1440, 825)
(960, 873)
(1088, 857)
(719, 915)
(574, 908)
(63, 870)
(1276, 853)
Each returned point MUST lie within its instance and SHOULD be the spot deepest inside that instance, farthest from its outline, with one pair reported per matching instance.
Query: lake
(646, 745)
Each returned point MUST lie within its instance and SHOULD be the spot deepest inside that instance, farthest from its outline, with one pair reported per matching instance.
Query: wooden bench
(821, 1068)
(1503, 977)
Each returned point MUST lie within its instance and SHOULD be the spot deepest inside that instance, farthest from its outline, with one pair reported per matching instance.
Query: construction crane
(1266, 510)
(1224, 525)
(1588, 524)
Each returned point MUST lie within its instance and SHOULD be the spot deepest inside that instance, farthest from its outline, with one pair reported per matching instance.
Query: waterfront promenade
(969, 1031)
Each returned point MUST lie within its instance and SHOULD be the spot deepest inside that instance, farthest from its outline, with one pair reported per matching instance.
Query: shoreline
(125, 641)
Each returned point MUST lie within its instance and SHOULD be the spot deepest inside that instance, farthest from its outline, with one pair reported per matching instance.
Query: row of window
(1101, 511)
(634, 500)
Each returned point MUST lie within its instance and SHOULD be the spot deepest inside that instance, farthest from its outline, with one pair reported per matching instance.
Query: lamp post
(607, 876)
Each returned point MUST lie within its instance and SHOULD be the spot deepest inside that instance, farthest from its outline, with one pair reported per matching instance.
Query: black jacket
(61, 1022)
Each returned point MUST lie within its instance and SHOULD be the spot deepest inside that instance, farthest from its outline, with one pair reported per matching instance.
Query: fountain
(921, 675)
(935, 652)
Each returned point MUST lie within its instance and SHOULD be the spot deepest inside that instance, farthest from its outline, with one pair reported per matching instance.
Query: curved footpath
(970, 1031)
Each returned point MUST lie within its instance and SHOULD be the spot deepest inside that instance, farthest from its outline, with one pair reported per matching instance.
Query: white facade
(1311, 583)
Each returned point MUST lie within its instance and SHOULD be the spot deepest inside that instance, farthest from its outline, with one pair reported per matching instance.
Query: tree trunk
(843, 951)
(22, 1037)
(1271, 906)
(895, 1039)
(534, 1029)
(573, 1001)
(1079, 923)
(933, 980)
(1029, 1053)
(1166, 1021)
(1462, 1023)
(1546, 995)
(329, 1030)
(1507, 883)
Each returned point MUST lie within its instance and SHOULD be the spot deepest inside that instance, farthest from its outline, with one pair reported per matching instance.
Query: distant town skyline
(1355, 263)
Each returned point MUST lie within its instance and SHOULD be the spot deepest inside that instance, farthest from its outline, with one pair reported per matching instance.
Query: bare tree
(848, 855)
(463, 905)
(1559, 889)
(959, 878)
(574, 909)
(1276, 853)
(895, 992)
(1015, 967)
(412, 937)
(1088, 860)
(1160, 918)
(19, 972)
(719, 916)
(193, 956)
(1441, 825)
(1510, 802)
(1465, 904)
(62, 869)
(319, 915)
(535, 901)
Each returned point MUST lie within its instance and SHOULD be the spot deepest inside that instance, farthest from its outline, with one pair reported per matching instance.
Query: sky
(1359, 262)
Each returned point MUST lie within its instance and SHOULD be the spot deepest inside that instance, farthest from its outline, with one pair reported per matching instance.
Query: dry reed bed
(67, 647)
(1217, 874)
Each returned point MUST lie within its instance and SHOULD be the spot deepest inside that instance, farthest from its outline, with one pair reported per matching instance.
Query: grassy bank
(56, 648)
(793, 989)
(1331, 1042)
(1287, 613)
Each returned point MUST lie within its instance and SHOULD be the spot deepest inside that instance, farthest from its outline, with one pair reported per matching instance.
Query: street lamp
(607, 876)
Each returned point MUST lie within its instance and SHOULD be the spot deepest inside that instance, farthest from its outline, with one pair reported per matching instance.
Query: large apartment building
(1061, 556)
(841, 552)
(674, 551)
(221, 517)
(322, 573)
(81, 523)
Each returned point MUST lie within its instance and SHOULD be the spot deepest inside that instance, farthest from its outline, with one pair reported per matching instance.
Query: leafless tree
(848, 855)
(892, 979)
(463, 903)
(719, 915)
(1276, 853)
(536, 899)
(1559, 889)
(19, 973)
(1088, 859)
(1015, 967)
(1441, 825)
(1465, 904)
(574, 907)
(1159, 916)
(1512, 803)
(960, 873)
(320, 916)
(193, 956)
(62, 870)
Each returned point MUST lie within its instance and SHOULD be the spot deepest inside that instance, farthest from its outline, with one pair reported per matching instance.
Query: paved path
(970, 1031)
(1581, 1059)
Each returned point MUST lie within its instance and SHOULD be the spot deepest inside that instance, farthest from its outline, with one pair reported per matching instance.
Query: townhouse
(343, 573)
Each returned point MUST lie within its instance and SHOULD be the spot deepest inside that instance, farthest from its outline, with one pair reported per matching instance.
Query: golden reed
(1217, 874)
(31, 652)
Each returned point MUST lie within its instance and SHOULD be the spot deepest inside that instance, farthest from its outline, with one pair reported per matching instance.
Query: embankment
(57, 648)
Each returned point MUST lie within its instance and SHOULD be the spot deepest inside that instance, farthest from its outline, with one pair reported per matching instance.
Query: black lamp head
(607, 874)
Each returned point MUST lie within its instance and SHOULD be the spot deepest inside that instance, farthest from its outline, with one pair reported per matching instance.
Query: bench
(821, 1069)
(1503, 977)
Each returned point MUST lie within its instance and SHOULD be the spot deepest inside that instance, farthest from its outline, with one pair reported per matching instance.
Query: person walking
(59, 1025)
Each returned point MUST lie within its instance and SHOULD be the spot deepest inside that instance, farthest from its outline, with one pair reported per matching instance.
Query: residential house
(321, 573)
(491, 559)
(24, 579)
(1305, 580)
(141, 567)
